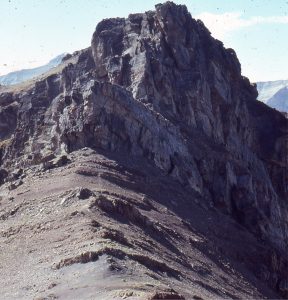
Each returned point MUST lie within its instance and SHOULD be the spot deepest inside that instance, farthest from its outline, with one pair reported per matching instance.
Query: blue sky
(34, 31)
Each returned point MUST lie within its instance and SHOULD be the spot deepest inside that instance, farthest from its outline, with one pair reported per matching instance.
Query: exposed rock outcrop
(157, 86)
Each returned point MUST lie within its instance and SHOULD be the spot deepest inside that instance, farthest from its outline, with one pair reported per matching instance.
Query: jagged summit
(166, 156)
(165, 39)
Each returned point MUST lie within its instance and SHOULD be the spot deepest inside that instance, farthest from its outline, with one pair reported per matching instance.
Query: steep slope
(26, 74)
(158, 89)
(110, 226)
(274, 94)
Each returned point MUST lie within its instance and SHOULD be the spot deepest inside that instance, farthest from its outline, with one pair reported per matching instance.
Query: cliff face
(157, 86)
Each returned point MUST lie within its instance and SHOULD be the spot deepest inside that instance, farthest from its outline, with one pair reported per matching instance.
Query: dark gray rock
(3, 175)
(158, 86)
(14, 185)
(84, 193)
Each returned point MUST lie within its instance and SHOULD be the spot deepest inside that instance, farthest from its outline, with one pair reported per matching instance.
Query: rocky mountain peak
(157, 88)
(126, 51)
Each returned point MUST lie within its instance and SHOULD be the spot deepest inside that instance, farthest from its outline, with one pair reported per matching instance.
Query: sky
(34, 31)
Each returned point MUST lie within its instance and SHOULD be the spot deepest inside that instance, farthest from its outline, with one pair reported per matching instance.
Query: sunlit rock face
(226, 148)
(158, 86)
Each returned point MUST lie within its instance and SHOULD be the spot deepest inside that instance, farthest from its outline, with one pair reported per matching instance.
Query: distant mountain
(280, 100)
(26, 74)
(274, 94)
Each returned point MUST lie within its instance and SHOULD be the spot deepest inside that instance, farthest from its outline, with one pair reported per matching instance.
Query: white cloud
(222, 24)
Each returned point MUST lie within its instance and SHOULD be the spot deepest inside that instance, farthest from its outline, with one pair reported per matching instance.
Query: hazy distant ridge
(26, 74)
(274, 94)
